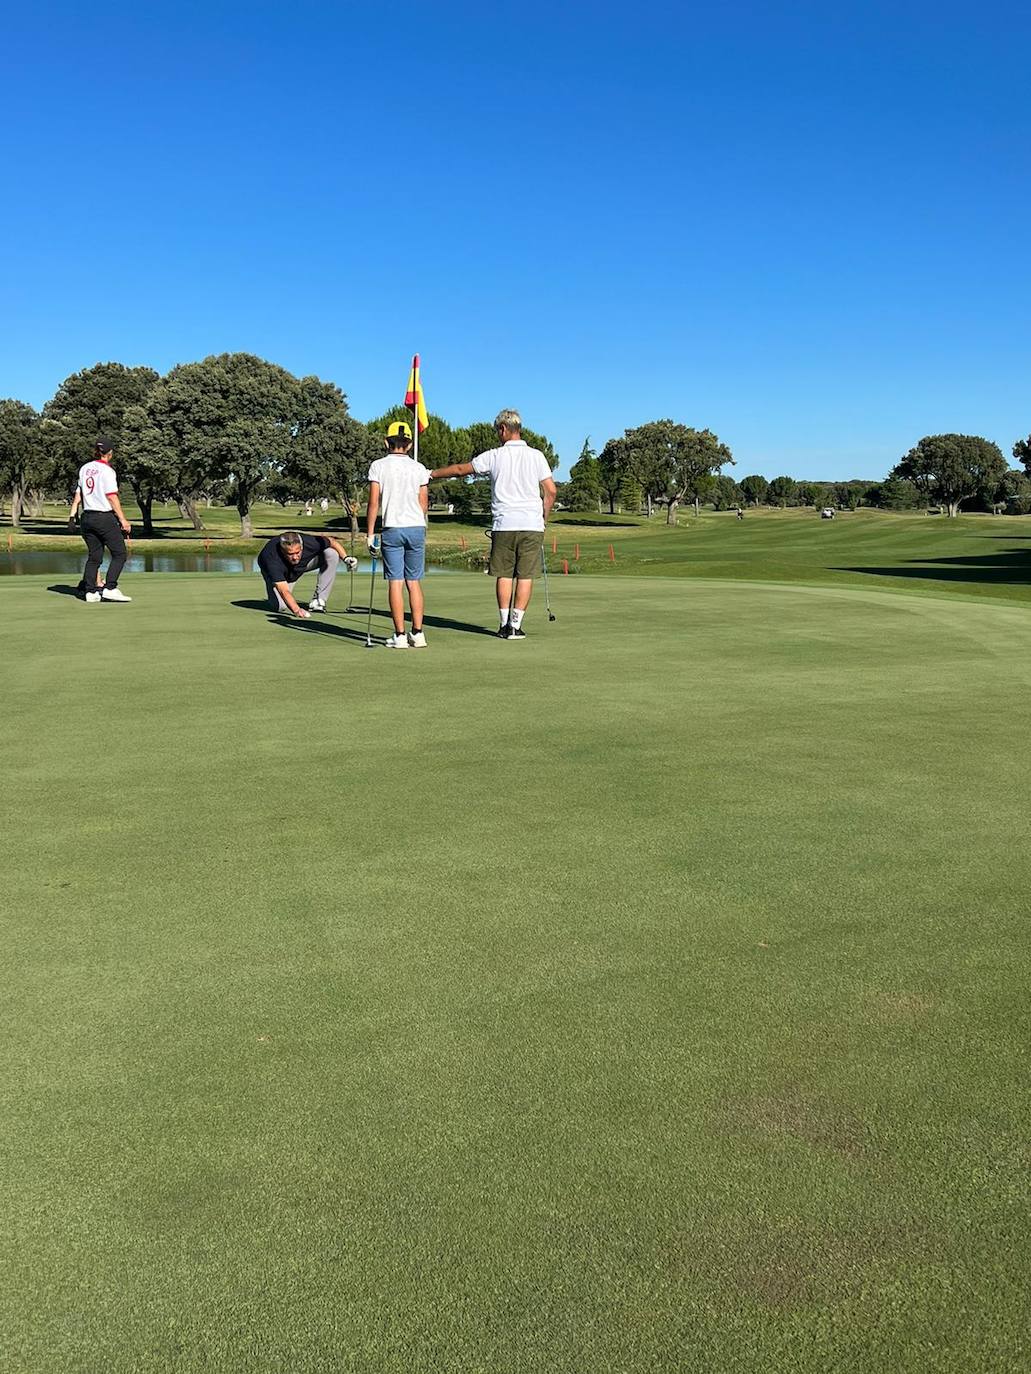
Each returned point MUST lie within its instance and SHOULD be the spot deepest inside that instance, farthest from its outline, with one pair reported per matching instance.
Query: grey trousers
(327, 566)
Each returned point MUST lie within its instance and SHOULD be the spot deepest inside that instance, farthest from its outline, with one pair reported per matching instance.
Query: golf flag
(414, 397)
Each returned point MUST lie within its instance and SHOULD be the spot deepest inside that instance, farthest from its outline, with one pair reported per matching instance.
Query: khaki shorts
(515, 553)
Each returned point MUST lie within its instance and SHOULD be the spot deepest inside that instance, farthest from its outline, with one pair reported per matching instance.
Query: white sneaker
(397, 642)
(316, 604)
(416, 640)
(93, 596)
(114, 594)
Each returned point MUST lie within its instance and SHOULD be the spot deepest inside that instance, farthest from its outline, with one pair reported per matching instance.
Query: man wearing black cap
(103, 523)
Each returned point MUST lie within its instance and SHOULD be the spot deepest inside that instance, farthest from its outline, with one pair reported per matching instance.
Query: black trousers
(100, 529)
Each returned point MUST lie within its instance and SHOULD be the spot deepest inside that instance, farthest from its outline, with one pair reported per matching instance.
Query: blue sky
(804, 226)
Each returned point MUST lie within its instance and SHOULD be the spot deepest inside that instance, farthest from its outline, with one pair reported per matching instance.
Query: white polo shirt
(400, 480)
(516, 471)
(96, 482)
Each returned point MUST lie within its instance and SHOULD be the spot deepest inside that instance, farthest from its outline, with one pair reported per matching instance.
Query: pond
(60, 564)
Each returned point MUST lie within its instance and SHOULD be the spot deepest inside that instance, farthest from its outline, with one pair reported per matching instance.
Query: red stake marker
(612, 554)
(554, 543)
(576, 553)
(565, 566)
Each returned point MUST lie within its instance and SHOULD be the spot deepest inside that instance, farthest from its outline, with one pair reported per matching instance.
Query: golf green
(647, 995)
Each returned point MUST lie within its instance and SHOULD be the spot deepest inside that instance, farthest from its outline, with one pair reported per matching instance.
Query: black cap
(104, 444)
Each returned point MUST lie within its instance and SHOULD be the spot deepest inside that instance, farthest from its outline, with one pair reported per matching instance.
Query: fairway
(646, 996)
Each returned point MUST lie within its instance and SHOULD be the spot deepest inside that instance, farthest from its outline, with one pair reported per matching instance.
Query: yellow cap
(399, 429)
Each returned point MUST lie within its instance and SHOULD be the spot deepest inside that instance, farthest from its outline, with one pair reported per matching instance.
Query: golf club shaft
(372, 592)
(350, 598)
(547, 593)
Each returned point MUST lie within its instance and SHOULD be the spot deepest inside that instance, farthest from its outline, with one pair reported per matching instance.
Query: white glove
(350, 563)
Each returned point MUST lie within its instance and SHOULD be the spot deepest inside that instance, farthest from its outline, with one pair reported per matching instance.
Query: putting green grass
(647, 996)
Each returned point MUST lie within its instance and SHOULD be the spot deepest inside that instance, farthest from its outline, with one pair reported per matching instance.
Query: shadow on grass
(1009, 568)
(62, 589)
(56, 529)
(432, 622)
(609, 524)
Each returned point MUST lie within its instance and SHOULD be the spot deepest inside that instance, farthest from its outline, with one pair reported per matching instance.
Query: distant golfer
(400, 487)
(522, 493)
(286, 558)
(104, 525)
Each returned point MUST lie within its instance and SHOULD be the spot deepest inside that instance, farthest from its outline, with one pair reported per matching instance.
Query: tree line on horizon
(666, 463)
(236, 429)
(231, 428)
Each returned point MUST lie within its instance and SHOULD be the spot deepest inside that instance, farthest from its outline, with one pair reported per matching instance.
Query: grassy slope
(985, 557)
(646, 996)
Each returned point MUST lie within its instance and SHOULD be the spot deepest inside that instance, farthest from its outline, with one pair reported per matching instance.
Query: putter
(547, 595)
(350, 602)
(372, 588)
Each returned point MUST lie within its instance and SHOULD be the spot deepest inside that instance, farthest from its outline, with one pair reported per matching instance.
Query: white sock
(504, 615)
(516, 619)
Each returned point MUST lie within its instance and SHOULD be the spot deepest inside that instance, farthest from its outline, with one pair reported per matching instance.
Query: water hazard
(58, 564)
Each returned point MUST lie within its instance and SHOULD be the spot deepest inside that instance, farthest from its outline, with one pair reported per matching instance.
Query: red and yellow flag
(414, 397)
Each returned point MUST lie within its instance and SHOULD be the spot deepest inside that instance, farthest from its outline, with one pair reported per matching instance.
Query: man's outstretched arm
(454, 470)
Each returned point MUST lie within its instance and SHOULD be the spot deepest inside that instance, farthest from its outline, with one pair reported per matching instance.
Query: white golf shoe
(416, 639)
(397, 642)
(316, 604)
(114, 594)
(93, 597)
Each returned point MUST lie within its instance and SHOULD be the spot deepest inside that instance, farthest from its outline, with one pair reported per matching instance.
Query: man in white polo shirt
(400, 487)
(103, 523)
(522, 493)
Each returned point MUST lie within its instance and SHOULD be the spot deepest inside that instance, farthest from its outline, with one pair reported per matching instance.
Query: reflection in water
(69, 564)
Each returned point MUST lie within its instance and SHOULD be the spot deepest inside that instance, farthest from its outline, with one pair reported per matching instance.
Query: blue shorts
(404, 553)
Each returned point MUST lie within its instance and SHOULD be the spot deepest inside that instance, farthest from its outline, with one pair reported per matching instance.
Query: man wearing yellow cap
(399, 486)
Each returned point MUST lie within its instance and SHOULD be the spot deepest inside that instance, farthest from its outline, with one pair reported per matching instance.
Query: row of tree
(669, 463)
(236, 428)
(232, 427)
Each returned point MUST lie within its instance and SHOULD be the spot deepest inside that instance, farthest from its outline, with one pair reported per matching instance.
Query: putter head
(551, 615)
(368, 642)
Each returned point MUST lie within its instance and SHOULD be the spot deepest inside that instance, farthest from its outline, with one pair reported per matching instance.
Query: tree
(672, 461)
(21, 453)
(237, 416)
(150, 462)
(89, 403)
(583, 490)
(701, 488)
(951, 468)
(479, 437)
(805, 494)
(897, 494)
(630, 495)
(1015, 491)
(781, 490)
(726, 493)
(754, 488)
(331, 451)
(613, 471)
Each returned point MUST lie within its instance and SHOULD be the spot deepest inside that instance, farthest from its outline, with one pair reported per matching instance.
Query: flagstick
(415, 414)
